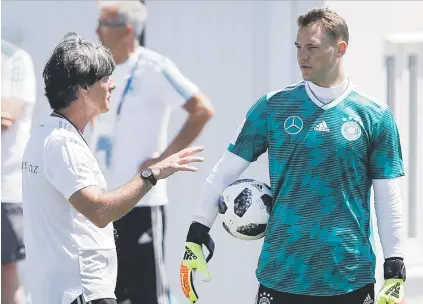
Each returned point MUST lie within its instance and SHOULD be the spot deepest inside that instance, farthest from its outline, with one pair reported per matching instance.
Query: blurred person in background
(134, 136)
(327, 145)
(18, 91)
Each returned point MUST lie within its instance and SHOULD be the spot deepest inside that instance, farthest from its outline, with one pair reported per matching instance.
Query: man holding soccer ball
(327, 146)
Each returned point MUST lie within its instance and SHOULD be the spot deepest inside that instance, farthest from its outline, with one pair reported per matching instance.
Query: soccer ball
(244, 207)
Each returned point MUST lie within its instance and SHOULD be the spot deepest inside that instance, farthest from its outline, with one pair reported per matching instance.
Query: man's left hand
(392, 292)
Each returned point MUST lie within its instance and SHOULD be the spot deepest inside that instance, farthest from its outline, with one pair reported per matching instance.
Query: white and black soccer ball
(244, 207)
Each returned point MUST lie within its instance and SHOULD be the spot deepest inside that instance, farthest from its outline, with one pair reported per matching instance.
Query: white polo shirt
(67, 255)
(122, 142)
(17, 81)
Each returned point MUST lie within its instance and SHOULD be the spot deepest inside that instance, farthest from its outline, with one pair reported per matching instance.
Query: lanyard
(128, 86)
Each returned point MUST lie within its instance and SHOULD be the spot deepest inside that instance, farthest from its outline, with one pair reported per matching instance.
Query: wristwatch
(147, 174)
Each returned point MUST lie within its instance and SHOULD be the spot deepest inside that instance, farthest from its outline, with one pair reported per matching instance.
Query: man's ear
(129, 29)
(84, 91)
(342, 48)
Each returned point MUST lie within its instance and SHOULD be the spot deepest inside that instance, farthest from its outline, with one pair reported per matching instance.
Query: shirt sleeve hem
(78, 187)
(232, 149)
(388, 176)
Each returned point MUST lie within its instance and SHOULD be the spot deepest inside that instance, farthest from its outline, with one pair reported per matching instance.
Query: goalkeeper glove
(198, 235)
(392, 291)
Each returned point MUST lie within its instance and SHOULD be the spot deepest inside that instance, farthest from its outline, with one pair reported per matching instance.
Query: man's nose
(112, 85)
(303, 53)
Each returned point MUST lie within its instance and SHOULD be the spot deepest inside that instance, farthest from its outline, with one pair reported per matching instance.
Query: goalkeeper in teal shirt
(327, 146)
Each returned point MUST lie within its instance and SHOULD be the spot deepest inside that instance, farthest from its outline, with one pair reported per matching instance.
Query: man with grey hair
(69, 237)
(148, 87)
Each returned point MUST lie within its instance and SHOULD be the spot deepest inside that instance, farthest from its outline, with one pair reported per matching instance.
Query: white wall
(369, 23)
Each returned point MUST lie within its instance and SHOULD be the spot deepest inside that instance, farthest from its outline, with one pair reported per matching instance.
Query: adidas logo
(146, 237)
(394, 291)
(189, 255)
(368, 300)
(323, 127)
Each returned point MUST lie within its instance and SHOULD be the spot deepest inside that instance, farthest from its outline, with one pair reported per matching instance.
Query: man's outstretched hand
(179, 161)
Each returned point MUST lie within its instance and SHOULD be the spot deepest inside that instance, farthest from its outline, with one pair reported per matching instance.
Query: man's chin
(306, 76)
(105, 110)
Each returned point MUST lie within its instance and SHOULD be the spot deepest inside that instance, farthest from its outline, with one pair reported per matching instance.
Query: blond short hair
(334, 25)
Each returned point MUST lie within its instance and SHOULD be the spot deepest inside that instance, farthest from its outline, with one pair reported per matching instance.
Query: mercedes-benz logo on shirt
(293, 125)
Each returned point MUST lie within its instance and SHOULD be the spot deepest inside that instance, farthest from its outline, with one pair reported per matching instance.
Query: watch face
(146, 173)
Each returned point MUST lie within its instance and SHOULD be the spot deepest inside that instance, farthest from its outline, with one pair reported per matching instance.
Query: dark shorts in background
(141, 273)
(12, 233)
(364, 295)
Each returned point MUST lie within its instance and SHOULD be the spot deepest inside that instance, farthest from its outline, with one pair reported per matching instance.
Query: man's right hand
(11, 109)
(177, 162)
(6, 121)
(194, 260)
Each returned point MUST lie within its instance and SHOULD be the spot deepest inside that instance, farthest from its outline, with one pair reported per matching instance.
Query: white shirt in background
(140, 131)
(66, 254)
(17, 81)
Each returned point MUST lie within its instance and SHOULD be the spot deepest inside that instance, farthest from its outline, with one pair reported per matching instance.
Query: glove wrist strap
(199, 234)
(394, 268)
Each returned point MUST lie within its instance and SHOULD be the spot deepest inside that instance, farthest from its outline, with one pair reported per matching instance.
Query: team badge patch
(351, 130)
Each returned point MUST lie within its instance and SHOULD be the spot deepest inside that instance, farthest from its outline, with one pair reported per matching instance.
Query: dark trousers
(140, 249)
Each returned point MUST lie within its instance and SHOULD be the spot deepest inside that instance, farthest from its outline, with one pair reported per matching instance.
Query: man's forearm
(120, 201)
(103, 208)
(390, 217)
(226, 171)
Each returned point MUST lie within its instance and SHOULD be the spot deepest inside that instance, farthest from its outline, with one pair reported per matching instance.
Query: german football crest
(350, 129)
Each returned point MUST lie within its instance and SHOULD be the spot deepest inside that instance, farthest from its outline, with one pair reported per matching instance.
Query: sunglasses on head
(111, 23)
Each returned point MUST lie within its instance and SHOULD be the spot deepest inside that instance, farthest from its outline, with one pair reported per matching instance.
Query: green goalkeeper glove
(392, 291)
(194, 259)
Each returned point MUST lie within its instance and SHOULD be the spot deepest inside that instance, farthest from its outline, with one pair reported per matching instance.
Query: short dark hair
(75, 63)
(332, 22)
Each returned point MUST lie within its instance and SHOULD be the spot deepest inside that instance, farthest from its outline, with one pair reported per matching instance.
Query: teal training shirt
(322, 159)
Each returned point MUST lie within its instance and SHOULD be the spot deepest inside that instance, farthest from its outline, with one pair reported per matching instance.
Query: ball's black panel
(243, 201)
(221, 205)
(227, 229)
(268, 202)
(252, 229)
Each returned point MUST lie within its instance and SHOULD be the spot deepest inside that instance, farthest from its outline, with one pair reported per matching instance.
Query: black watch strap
(147, 174)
